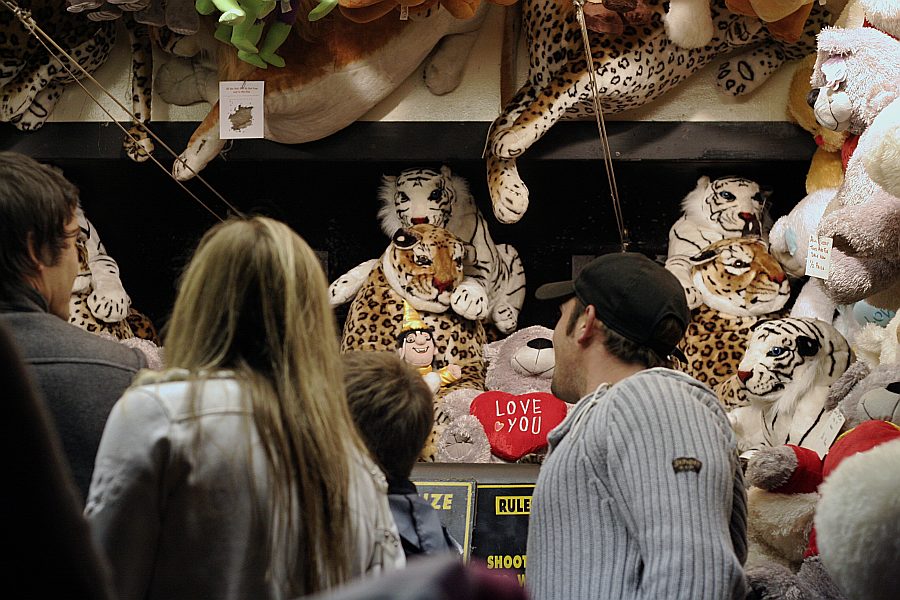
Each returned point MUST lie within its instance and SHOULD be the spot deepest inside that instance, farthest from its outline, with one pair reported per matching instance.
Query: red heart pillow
(517, 425)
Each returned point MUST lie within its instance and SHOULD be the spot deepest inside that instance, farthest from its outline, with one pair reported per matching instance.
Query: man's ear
(33, 254)
(584, 329)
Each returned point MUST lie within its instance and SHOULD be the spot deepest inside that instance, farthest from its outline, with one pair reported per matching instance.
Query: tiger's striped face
(424, 196)
(786, 351)
(739, 277)
(732, 202)
(425, 264)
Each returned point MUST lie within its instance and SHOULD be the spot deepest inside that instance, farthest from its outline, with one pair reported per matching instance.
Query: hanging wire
(28, 21)
(601, 128)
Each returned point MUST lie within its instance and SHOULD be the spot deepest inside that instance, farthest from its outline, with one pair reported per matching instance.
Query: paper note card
(818, 257)
(821, 441)
(240, 109)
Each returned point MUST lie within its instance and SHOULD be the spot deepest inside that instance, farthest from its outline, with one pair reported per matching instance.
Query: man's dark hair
(624, 349)
(36, 203)
(392, 407)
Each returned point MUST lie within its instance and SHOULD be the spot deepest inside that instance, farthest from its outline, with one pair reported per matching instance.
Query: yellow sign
(512, 505)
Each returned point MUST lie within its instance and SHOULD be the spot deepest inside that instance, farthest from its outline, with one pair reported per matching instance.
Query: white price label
(821, 441)
(818, 257)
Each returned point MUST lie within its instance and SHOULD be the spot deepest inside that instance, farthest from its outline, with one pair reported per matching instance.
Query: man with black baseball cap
(641, 495)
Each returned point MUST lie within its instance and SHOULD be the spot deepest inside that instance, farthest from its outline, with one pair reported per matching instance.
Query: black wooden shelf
(449, 141)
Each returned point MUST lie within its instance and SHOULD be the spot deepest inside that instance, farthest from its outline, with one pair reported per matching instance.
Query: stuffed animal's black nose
(540, 343)
(811, 97)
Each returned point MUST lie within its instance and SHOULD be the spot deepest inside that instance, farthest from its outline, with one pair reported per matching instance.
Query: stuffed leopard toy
(632, 69)
(740, 284)
(32, 82)
(422, 266)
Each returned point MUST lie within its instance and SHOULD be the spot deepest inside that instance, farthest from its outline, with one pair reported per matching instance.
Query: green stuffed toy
(241, 25)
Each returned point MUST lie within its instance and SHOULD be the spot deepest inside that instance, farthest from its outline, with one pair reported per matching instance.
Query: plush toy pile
(511, 420)
(495, 286)
(739, 284)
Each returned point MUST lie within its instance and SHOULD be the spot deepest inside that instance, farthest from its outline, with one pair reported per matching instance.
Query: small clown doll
(415, 345)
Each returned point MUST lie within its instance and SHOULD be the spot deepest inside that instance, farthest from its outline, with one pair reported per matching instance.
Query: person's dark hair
(36, 202)
(392, 407)
(626, 350)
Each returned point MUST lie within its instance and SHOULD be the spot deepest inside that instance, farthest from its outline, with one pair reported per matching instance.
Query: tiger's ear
(405, 238)
(703, 257)
(445, 171)
(807, 346)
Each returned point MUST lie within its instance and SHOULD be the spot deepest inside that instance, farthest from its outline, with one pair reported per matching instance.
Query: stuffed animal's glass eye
(727, 195)
(436, 194)
(422, 261)
(739, 264)
(776, 351)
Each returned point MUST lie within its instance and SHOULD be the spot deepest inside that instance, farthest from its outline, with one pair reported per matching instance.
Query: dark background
(326, 190)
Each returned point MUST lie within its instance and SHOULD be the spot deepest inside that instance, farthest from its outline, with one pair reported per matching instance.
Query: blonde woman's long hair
(254, 300)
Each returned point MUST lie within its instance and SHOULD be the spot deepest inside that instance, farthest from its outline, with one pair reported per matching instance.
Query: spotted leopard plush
(31, 82)
(423, 265)
(740, 284)
(632, 69)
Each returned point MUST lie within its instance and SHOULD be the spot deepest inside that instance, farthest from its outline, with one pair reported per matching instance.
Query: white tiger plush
(97, 283)
(785, 374)
(443, 199)
(727, 207)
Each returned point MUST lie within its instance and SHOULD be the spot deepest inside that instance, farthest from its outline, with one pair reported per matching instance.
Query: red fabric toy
(517, 425)
(812, 470)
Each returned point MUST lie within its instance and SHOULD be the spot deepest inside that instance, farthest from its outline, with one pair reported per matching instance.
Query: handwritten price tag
(818, 257)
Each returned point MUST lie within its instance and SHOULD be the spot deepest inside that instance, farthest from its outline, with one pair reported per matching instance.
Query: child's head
(392, 407)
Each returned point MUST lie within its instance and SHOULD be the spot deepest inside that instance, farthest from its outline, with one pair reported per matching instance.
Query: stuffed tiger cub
(739, 283)
(728, 207)
(440, 198)
(785, 376)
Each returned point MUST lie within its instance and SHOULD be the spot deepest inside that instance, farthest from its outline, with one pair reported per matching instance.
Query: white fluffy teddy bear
(858, 75)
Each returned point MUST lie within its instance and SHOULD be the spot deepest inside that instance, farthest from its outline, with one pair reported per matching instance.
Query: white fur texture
(858, 524)
(344, 288)
(883, 14)
(778, 526)
(879, 345)
(882, 162)
(790, 233)
(689, 23)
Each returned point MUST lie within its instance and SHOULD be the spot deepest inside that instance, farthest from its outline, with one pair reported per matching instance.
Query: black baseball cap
(631, 295)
